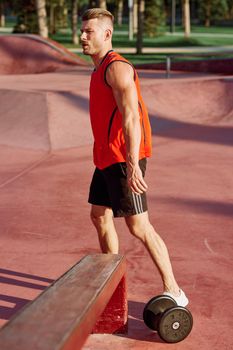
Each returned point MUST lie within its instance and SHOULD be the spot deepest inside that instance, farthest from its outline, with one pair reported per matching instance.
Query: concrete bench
(90, 297)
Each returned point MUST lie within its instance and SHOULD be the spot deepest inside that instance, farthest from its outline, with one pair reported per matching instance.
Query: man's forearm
(132, 135)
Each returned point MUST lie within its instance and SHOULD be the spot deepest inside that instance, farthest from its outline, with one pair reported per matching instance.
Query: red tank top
(106, 119)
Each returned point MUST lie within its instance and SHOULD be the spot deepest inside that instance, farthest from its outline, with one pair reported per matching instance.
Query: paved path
(44, 215)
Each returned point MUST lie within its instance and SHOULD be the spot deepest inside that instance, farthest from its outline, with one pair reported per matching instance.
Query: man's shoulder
(118, 62)
(115, 56)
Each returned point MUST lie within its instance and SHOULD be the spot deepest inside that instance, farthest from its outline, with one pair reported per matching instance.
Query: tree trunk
(52, 26)
(42, 18)
(119, 12)
(130, 5)
(208, 14)
(135, 17)
(141, 10)
(99, 3)
(186, 13)
(75, 38)
(92, 4)
(231, 12)
(103, 4)
(64, 13)
(173, 16)
(2, 15)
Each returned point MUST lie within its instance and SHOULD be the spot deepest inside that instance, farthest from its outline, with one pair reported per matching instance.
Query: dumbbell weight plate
(154, 309)
(175, 324)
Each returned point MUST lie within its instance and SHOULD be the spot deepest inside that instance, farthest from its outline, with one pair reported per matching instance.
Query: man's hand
(135, 179)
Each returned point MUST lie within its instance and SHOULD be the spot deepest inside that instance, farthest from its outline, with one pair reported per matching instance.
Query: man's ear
(108, 34)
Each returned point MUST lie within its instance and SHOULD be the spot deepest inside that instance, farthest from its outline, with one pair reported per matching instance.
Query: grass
(145, 58)
(120, 39)
(195, 29)
(207, 30)
(161, 41)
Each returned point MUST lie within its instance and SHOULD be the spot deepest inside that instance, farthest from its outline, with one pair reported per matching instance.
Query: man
(122, 142)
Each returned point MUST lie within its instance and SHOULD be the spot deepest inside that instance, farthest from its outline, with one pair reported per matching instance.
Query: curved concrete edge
(55, 46)
(30, 54)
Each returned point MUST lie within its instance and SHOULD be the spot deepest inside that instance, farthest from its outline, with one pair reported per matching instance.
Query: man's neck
(97, 59)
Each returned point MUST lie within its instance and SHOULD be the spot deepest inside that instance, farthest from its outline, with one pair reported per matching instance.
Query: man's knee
(97, 220)
(100, 216)
(139, 225)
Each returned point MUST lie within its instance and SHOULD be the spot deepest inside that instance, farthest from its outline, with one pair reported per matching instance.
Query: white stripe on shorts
(137, 201)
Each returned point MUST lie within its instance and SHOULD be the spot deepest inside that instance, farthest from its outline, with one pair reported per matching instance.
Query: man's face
(93, 36)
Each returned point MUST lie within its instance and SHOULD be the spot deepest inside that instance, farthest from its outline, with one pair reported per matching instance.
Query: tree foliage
(211, 10)
(26, 16)
(60, 12)
(27, 21)
(154, 17)
(230, 9)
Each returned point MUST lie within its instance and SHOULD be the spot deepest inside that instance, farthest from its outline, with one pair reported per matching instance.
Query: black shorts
(109, 188)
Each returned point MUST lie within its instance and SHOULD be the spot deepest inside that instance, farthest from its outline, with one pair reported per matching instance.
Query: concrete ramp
(40, 120)
(21, 124)
(30, 54)
(50, 111)
(202, 101)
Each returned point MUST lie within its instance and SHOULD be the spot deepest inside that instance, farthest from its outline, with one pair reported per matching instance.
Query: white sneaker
(181, 300)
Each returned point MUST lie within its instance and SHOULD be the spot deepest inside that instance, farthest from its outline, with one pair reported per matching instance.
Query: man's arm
(120, 76)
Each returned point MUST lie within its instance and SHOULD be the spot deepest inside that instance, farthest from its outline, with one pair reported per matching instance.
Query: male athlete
(122, 143)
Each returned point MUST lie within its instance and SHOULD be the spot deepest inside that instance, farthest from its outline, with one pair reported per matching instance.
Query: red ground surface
(45, 170)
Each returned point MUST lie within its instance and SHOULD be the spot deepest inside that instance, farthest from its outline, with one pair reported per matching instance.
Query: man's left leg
(140, 227)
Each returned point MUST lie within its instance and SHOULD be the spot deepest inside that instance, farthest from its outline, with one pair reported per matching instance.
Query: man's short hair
(97, 13)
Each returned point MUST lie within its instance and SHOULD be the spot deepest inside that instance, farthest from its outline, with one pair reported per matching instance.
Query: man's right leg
(102, 218)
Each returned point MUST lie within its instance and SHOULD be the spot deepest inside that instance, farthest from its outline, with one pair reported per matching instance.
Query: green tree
(26, 16)
(230, 9)
(211, 10)
(58, 14)
(154, 17)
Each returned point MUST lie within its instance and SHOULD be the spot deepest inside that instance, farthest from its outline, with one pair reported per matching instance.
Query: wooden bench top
(64, 314)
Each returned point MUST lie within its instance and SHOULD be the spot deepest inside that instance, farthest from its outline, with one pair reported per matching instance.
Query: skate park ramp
(30, 54)
(202, 101)
(59, 117)
(58, 120)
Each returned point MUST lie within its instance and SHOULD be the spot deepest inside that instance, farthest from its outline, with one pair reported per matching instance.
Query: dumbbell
(172, 322)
